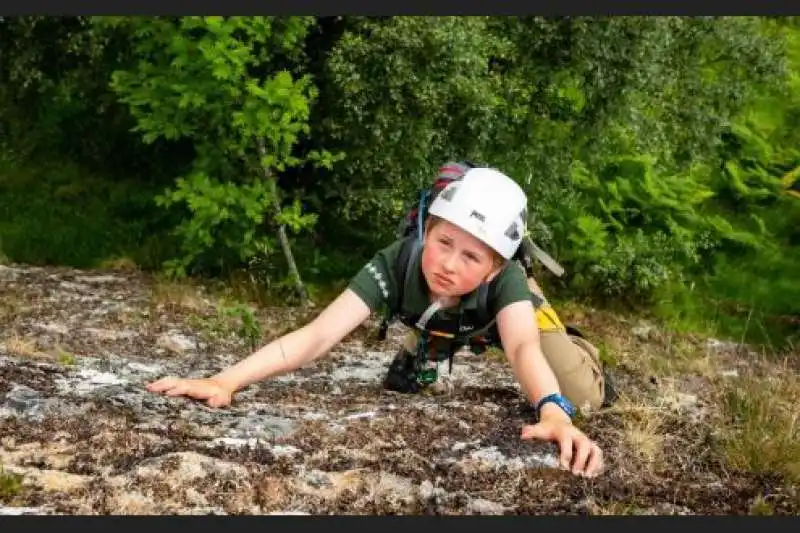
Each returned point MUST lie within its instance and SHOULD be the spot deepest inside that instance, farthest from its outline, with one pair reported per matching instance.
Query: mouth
(441, 280)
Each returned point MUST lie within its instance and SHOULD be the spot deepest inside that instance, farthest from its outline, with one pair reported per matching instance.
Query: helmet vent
(477, 215)
(513, 232)
(448, 193)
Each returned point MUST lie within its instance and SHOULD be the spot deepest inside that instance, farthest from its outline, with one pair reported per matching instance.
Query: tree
(215, 81)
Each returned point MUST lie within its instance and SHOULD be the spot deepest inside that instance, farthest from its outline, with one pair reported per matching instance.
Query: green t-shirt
(376, 285)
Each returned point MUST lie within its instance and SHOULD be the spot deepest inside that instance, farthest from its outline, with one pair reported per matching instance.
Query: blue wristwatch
(560, 401)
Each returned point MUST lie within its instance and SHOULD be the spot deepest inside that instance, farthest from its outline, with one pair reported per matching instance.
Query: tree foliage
(651, 147)
(212, 80)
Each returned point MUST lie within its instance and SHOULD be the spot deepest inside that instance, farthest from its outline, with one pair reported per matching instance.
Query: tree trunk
(282, 237)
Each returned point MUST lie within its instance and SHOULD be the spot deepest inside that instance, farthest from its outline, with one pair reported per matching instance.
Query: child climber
(573, 359)
(458, 268)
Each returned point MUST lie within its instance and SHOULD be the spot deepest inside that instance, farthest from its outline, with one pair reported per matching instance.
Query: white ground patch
(367, 367)
(88, 381)
(494, 457)
(20, 511)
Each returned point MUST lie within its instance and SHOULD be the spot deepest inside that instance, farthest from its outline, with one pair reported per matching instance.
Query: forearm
(280, 356)
(537, 379)
(533, 373)
(524, 351)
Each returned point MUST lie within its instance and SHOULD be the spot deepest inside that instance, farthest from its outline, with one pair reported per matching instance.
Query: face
(454, 262)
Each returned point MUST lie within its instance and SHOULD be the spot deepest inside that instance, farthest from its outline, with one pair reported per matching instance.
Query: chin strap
(429, 312)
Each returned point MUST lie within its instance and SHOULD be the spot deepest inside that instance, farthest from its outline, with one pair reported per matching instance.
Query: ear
(496, 270)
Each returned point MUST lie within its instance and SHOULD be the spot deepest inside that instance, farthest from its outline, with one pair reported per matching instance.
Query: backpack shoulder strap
(408, 250)
(485, 304)
(405, 257)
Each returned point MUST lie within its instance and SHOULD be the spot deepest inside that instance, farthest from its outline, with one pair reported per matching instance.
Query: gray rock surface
(79, 427)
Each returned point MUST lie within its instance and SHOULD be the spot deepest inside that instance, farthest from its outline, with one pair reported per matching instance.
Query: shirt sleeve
(375, 283)
(511, 286)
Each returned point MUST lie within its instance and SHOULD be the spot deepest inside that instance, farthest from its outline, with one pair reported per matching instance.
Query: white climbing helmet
(487, 204)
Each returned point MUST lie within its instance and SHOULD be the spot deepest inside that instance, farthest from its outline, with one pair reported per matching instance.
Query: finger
(595, 465)
(218, 400)
(162, 384)
(584, 448)
(529, 431)
(536, 431)
(213, 402)
(180, 389)
(565, 443)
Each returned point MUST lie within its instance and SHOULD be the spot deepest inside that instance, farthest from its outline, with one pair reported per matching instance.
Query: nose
(449, 262)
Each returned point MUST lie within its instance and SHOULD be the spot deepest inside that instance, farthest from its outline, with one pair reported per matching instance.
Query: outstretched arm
(519, 335)
(299, 347)
(287, 353)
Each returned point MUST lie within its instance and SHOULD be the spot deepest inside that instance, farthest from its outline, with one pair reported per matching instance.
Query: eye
(445, 241)
(473, 257)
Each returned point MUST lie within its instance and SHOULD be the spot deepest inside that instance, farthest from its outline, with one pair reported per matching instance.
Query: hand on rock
(578, 453)
(215, 394)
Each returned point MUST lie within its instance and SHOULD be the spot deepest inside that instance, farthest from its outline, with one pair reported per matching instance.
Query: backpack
(410, 230)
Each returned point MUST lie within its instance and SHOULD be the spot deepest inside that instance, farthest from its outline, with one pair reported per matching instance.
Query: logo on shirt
(378, 277)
